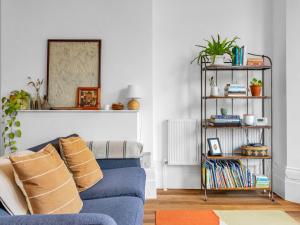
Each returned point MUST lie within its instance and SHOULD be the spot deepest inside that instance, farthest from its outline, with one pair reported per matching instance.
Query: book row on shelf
(231, 174)
(224, 120)
(232, 90)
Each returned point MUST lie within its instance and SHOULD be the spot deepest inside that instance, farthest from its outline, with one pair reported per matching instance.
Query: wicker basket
(254, 151)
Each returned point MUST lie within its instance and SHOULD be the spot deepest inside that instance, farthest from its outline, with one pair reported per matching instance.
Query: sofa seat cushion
(128, 181)
(124, 210)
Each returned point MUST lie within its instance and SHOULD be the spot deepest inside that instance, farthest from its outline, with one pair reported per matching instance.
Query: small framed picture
(88, 98)
(214, 146)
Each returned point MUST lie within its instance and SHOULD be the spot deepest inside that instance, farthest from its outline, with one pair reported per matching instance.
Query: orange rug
(186, 217)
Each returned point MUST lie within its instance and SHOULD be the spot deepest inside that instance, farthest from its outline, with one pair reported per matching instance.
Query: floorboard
(193, 199)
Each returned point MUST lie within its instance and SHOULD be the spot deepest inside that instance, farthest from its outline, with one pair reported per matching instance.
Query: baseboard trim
(292, 184)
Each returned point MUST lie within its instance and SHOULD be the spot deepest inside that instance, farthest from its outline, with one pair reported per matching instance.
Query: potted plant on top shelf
(255, 86)
(216, 49)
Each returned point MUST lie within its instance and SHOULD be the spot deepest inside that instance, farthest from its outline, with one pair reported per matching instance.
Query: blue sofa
(118, 199)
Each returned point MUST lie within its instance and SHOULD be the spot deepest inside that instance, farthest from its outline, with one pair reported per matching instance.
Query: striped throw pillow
(81, 162)
(46, 182)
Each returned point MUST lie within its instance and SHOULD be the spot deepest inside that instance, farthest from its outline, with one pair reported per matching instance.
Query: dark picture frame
(71, 63)
(214, 146)
(88, 98)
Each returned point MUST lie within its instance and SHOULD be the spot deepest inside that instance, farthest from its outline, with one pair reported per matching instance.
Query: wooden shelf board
(230, 67)
(237, 97)
(228, 156)
(237, 127)
(240, 189)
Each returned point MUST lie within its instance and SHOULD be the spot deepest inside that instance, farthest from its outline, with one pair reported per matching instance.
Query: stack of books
(227, 174)
(228, 120)
(232, 90)
(262, 181)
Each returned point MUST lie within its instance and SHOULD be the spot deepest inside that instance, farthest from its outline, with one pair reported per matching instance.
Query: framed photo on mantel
(71, 64)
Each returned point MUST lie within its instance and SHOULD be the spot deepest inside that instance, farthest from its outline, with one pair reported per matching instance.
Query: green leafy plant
(256, 82)
(10, 107)
(23, 98)
(215, 47)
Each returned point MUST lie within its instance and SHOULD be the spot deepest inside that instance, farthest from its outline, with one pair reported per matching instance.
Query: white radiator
(183, 148)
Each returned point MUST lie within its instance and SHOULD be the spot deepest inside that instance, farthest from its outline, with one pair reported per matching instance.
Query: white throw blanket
(116, 149)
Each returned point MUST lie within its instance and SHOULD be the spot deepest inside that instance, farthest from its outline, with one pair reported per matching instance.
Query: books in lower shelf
(222, 174)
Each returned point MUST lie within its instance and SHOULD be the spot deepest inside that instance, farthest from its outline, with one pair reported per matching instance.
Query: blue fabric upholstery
(128, 181)
(66, 219)
(118, 163)
(124, 210)
(3, 211)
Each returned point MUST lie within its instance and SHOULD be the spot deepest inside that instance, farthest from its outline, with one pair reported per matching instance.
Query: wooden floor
(193, 199)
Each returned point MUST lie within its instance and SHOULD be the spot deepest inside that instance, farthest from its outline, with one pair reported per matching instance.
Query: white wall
(171, 85)
(125, 28)
(279, 87)
(179, 25)
(292, 100)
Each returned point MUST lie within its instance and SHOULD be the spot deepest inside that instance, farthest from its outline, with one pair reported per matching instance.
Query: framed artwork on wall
(72, 64)
(88, 98)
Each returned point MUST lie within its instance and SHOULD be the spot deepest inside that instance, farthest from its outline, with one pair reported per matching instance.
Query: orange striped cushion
(46, 182)
(81, 162)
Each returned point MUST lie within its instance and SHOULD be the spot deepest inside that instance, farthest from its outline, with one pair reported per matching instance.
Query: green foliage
(10, 107)
(215, 47)
(256, 82)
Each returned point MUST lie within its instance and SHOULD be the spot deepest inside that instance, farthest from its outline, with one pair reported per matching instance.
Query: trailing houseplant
(255, 86)
(11, 129)
(23, 98)
(216, 49)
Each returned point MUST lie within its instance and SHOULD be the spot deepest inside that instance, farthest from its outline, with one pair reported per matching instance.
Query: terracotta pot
(255, 90)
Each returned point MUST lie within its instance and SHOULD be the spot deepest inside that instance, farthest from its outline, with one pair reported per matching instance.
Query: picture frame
(214, 146)
(71, 63)
(88, 98)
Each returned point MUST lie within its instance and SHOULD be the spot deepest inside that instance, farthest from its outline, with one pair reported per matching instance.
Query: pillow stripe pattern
(81, 162)
(46, 183)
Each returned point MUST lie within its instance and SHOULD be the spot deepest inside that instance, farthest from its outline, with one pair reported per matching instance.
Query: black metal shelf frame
(203, 145)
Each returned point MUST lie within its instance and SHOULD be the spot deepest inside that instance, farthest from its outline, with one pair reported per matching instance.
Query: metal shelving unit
(205, 68)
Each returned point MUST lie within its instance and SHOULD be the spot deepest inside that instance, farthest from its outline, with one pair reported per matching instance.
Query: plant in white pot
(216, 49)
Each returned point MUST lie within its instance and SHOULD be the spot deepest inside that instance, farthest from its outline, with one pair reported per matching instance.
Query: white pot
(219, 60)
(214, 91)
(249, 119)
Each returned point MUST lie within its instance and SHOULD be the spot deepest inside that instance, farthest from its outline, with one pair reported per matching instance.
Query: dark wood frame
(96, 89)
(211, 151)
(73, 40)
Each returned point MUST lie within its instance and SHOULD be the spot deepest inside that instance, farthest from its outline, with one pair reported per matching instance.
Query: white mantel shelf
(81, 111)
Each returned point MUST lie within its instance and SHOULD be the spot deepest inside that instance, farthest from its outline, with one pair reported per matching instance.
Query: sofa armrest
(64, 219)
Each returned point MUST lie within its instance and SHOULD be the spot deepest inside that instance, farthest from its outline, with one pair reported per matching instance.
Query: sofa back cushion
(81, 162)
(54, 142)
(46, 183)
(11, 195)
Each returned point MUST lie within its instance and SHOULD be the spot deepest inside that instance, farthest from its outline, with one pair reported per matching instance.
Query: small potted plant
(255, 86)
(216, 49)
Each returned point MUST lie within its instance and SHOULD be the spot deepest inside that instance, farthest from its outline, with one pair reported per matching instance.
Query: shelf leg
(205, 195)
